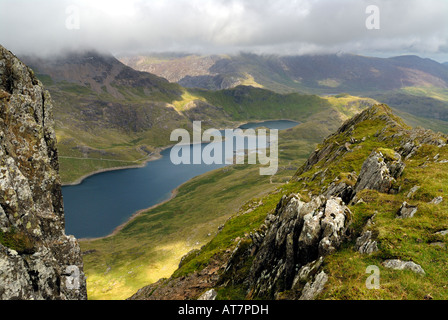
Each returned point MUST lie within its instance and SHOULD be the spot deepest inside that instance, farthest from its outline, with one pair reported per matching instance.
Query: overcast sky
(227, 26)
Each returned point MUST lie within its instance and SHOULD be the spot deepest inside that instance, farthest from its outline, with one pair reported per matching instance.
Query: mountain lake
(102, 202)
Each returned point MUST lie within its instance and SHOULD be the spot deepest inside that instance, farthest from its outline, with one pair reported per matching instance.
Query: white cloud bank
(226, 26)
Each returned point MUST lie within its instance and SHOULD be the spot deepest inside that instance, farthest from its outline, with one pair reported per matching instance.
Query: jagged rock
(379, 173)
(37, 259)
(408, 149)
(333, 224)
(443, 233)
(313, 289)
(209, 295)
(437, 200)
(341, 190)
(302, 233)
(406, 211)
(397, 264)
(365, 244)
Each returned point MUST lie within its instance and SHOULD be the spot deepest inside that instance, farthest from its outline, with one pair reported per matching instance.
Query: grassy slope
(151, 246)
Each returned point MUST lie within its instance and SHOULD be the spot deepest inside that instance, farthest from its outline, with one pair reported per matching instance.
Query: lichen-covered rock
(37, 259)
(413, 191)
(379, 173)
(300, 234)
(314, 288)
(397, 264)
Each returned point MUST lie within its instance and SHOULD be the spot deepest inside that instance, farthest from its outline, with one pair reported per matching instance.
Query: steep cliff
(37, 259)
(370, 195)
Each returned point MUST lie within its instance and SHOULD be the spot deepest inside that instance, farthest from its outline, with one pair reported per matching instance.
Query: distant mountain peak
(320, 73)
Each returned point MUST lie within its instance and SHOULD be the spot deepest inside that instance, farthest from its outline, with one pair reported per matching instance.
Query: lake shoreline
(134, 216)
(154, 156)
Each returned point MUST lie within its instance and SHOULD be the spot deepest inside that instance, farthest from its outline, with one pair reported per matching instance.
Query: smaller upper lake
(106, 200)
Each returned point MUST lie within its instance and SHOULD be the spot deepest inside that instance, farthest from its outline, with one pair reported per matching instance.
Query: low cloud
(225, 26)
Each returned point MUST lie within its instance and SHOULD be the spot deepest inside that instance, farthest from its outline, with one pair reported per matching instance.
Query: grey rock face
(37, 259)
(307, 273)
(379, 174)
(295, 241)
(397, 264)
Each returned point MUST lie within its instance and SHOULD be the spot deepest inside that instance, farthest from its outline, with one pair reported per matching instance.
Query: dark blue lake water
(106, 200)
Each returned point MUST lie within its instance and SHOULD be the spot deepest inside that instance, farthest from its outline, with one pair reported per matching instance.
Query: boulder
(301, 234)
(397, 264)
(406, 211)
(379, 173)
(437, 200)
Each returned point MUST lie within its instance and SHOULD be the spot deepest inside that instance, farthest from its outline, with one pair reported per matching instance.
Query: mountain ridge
(307, 73)
(415, 86)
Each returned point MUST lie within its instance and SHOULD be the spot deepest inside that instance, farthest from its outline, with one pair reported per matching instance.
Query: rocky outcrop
(313, 289)
(37, 259)
(297, 236)
(379, 173)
